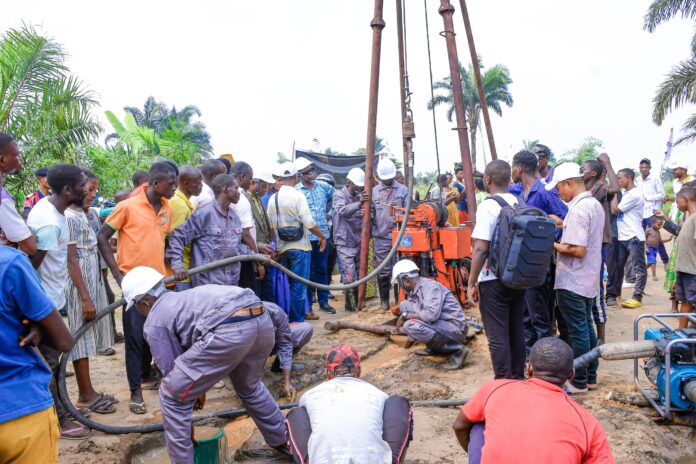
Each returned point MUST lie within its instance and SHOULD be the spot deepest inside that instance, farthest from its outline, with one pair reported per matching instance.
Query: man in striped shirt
(288, 208)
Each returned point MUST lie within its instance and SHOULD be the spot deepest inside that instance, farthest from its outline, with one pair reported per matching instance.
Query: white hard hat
(675, 164)
(302, 163)
(284, 170)
(357, 176)
(405, 266)
(264, 175)
(138, 281)
(563, 172)
(386, 169)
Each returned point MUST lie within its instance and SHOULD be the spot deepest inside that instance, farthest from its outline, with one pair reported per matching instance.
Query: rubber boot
(396, 293)
(384, 292)
(354, 291)
(348, 295)
(433, 347)
(458, 355)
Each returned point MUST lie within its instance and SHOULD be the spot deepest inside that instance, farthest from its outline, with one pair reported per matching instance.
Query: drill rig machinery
(440, 251)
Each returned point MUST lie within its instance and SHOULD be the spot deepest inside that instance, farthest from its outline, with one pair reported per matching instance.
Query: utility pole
(446, 11)
(377, 25)
(479, 82)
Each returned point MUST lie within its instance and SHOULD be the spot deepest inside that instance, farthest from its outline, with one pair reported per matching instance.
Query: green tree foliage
(587, 150)
(529, 144)
(496, 83)
(46, 109)
(679, 87)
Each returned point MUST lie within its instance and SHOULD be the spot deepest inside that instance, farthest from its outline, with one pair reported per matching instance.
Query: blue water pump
(673, 369)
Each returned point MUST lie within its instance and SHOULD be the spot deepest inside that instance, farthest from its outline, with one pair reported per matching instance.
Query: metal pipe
(378, 329)
(446, 10)
(402, 75)
(377, 25)
(479, 81)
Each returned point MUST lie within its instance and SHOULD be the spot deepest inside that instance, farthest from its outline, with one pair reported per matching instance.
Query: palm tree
(153, 115)
(44, 108)
(529, 144)
(679, 87)
(496, 81)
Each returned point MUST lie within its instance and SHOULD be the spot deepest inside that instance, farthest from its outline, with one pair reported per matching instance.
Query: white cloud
(268, 73)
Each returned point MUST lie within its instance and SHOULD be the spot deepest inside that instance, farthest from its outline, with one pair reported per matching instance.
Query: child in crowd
(653, 240)
(480, 190)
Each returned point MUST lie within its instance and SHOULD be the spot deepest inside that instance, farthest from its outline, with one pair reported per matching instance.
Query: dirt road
(634, 435)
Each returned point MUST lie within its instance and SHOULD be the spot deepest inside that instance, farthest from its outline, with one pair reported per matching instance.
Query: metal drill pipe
(479, 81)
(377, 25)
(402, 74)
(446, 10)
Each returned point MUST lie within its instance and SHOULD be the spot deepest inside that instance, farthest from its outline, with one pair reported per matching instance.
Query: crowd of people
(224, 322)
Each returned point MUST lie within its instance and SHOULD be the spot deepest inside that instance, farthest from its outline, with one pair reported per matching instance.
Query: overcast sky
(267, 73)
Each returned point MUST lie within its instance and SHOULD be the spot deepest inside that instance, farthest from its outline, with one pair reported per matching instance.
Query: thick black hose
(62, 388)
(585, 359)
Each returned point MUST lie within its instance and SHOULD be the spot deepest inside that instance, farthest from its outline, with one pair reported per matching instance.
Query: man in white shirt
(47, 220)
(347, 420)
(502, 308)
(629, 223)
(11, 223)
(652, 189)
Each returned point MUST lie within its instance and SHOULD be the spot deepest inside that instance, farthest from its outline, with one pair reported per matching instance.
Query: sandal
(75, 432)
(107, 352)
(137, 408)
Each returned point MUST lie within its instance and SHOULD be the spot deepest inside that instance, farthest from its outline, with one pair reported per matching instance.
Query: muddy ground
(634, 432)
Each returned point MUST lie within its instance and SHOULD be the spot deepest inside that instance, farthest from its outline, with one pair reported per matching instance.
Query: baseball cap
(342, 359)
(41, 172)
(264, 175)
(675, 164)
(563, 172)
(302, 163)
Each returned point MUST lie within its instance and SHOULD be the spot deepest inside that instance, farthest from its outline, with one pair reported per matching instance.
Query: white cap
(386, 169)
(302, 163)
(675, 164)
(405, 266)
(563, 172)
(138, 281)
(284, 170)
(357, 176)
(264, 175)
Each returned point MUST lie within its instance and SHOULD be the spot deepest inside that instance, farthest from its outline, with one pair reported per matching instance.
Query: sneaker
(632, 304)
(611, 302)
(628, 284)
(328, 308)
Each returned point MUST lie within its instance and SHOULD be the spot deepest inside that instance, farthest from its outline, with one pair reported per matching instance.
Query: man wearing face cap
(387, 193)
(198, 337)
(347, 220)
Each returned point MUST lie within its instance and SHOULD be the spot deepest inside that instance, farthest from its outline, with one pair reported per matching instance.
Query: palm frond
(678, 88)
(439, 100)
(663, 10)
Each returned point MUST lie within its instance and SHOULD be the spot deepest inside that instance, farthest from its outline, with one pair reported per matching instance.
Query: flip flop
(152, 387)
(102, 405)
(137, 408)
(76, 432)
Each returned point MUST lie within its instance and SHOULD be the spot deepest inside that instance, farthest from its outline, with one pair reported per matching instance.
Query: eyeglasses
(307, 171)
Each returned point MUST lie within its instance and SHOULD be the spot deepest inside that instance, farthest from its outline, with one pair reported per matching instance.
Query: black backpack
(522, 245)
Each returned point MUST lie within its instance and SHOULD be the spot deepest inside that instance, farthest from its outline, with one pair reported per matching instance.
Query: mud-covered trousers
(421, 331)
(349, 257)
(238, 350)
(382, 248)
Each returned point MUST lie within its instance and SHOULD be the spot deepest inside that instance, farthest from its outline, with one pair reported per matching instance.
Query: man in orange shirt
(143, 223)
(534, 420)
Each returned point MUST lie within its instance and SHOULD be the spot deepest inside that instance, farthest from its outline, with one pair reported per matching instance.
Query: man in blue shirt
(319, 196)
(28, 423)
(539, 302)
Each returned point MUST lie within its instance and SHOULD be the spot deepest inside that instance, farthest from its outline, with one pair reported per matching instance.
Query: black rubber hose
(115, 429)
(585, 359)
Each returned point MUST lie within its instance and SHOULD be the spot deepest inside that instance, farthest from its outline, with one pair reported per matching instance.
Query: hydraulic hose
(115, 429)
(617, 351)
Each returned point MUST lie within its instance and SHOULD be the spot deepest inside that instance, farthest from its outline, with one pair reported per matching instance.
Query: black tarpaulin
(337, 166)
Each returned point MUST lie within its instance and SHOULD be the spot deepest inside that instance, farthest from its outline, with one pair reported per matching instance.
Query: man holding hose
(197, 338)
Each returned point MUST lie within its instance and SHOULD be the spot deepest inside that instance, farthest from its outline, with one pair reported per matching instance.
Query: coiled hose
(229, 413)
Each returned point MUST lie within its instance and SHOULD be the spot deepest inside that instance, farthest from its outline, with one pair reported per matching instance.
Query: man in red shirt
(534, 420)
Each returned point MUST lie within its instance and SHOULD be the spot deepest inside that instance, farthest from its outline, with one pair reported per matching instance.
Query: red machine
(441, 252)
